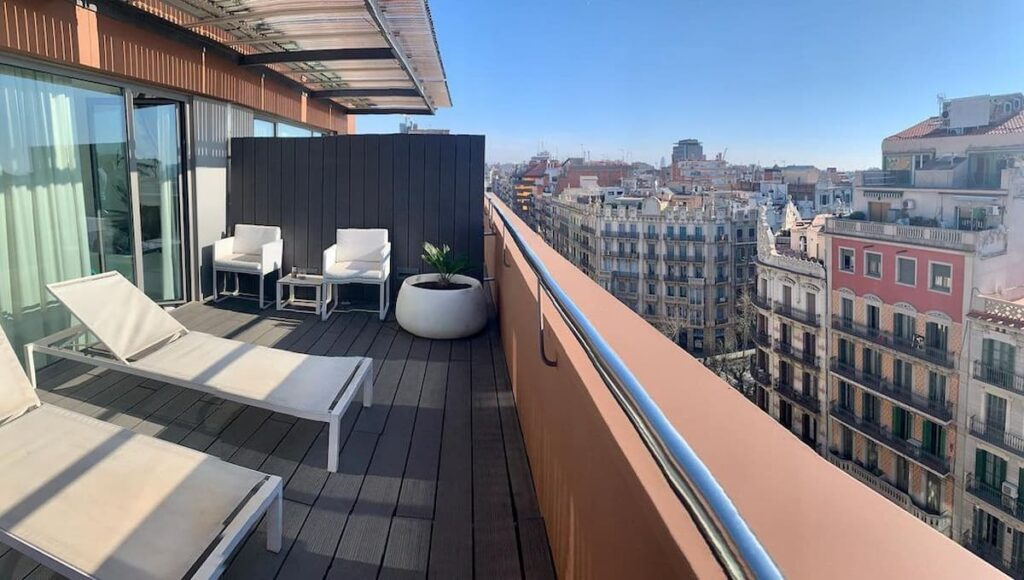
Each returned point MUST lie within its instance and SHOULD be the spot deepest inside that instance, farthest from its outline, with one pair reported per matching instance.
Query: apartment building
(788, 369)
(678, 261)
(925, 232)
(992, 469)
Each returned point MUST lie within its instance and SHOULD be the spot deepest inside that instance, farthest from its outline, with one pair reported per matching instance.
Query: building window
(286, 130)
(937, 388)
(871, 456)
(902, 423)
(873, 265)
(262, 128)
(940, 277)
(903, 374)
(906, 271)
(871, 408)
(989, 469)
(933, 492)
(846, 310)
(845, 396)
(846, 260)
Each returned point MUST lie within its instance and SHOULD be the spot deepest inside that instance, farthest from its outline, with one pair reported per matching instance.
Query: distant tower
(687, 150)
(662, 166)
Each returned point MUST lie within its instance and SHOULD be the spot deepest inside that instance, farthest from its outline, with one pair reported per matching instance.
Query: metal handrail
(731, 540)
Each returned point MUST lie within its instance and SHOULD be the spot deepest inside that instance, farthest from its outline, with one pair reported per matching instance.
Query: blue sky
(774, 82)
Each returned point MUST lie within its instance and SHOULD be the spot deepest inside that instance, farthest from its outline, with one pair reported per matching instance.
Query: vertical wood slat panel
(431, 191)
(401, 202)
(415, 239)
(418, 187)
(248, 171)
(300, 190)
(476, 203)
(342, 213)
(273, 147)
(262, 194)
(371, 181)
(286, 191)
(357, 155)
(235, 186)
(328, 223)
(446, 209)
(315, 187)
(462, 187)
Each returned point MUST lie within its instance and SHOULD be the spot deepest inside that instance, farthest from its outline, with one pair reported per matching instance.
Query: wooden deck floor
(433, 479)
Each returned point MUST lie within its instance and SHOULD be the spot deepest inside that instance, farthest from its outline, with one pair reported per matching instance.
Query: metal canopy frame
(366, 56)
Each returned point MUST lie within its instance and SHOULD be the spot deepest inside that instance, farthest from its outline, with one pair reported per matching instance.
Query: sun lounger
(89, 499)
(122, 329)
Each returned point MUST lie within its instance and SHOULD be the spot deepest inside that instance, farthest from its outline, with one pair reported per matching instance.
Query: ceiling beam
(323, 55)
(355, 93)
(277, 13)
(310, 36)
(382, 111)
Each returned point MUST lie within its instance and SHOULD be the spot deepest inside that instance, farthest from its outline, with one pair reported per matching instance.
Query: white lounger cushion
(109, 502)
(119, 314)
(268, 377)
(16, 392)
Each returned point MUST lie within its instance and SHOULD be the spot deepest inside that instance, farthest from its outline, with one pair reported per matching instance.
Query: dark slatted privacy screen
(419, 187)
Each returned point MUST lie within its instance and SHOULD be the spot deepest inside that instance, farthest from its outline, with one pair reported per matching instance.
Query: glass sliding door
(157, 146)
(65, 204)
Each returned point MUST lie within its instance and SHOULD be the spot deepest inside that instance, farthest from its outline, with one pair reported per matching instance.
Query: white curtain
(43, 225)
(157, 135)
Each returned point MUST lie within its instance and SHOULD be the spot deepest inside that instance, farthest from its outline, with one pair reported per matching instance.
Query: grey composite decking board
(418, 468)
(535, 550)
(408, 550)
(524, 497)
(420, 482)
(419, 187)
(451, 548)
(496, 550)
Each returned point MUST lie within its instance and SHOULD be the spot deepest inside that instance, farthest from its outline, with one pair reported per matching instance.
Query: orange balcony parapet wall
(608, 508)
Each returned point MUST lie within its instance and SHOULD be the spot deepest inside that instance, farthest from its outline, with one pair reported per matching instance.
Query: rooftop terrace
(512, 455)
(433, 479)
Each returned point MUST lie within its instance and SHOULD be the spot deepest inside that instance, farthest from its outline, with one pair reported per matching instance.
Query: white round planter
(441, 314)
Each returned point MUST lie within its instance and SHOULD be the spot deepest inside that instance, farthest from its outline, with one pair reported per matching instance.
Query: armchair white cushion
(252, 250)
(360, 256)
(257, 250)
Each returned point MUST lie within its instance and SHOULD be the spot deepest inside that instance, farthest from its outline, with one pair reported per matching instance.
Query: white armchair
(253, 250)
(360, 256)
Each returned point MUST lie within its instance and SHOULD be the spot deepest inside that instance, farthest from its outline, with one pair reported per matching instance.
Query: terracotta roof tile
(932, 127)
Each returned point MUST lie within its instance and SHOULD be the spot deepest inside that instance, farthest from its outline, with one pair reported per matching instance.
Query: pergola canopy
(368, 56)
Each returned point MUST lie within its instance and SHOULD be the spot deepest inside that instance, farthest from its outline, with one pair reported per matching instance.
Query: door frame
(133, 97)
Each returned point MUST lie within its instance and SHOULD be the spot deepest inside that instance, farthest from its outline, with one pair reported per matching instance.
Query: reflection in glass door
(157, 131)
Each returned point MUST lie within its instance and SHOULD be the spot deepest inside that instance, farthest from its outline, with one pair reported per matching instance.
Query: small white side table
(300, 304)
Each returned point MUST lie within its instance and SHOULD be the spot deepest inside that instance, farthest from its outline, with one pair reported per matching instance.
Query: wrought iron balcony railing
(941, 411)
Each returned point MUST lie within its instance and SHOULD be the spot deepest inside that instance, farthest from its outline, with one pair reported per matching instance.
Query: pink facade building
(927, 234)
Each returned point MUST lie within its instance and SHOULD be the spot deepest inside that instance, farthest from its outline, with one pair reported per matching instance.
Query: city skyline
(799, 84)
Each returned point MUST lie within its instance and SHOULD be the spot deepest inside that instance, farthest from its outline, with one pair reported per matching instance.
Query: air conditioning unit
(995, 210)
(1009, 493)
(909, 204)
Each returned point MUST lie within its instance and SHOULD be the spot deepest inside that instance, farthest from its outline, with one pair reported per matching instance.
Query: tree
(730, 360)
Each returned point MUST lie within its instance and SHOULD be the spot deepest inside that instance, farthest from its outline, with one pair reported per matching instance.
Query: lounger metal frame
(89, 352)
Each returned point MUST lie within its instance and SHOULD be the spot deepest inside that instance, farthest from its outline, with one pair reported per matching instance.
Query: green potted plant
(443, 304)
